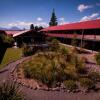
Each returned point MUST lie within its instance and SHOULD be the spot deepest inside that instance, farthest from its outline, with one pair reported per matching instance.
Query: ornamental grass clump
(54, 45)
(49, 68)
(94, 76)
(97, 57)
(86, 83)
(70, 85)
(27, 51)
(10, 91)
(64, 51)
(79, 64)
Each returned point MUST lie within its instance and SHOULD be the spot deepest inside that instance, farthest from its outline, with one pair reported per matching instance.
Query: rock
(4, 81)
(15, 80)
(65, 90)
(18, 81)
(27, 86)
(19, 77)
(31, 87)
(54, 85)
(56, 89)
(47, 89)
(58, 84)
(50, 89)
(68, 91)
(35, 88)
(12, 74)
(38, 87)
(41, 88)
(62, 86)
(22, 84)
(73, 91)
(77, 90)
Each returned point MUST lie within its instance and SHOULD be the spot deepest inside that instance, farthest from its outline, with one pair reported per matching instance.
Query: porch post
(15, 43)
(82, 38)
(22, 39)
(94, 41)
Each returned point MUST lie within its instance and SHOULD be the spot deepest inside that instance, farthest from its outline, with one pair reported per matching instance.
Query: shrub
(63, 50)
(49, 39)
(74, 40)
(54, 45)
(69, 57)
(84, 59)
(74, 50)
(79, 65)
(86, 83)
(39, 72)
(81, 70)
(70, 85)
(27, 51)
(94, 76)
(70, 73)
(7, 39)
(9, 91)
(47, 72)
(97, 57)
(50, 67)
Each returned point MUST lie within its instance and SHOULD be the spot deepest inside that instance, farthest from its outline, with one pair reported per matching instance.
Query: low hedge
(87, 83)
(70, 85)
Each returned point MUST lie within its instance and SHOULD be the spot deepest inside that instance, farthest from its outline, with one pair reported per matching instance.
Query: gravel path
(31, 94)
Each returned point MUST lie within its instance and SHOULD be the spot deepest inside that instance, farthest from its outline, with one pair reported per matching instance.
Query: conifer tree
(31, 26)
(53, 20)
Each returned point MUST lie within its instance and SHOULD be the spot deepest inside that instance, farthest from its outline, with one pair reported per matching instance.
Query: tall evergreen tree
(53, 20)
(31, 26)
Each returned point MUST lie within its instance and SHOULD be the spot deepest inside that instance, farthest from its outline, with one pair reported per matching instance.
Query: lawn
(11, 54)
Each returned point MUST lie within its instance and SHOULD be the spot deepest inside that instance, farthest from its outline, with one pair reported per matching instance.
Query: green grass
(11, 54)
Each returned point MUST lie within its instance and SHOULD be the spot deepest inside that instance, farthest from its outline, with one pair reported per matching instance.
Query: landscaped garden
(60, 68)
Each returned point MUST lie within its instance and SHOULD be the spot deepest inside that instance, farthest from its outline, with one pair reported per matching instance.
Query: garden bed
(57, 69)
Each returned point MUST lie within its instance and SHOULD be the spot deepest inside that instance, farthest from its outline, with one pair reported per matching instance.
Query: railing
(88, 37)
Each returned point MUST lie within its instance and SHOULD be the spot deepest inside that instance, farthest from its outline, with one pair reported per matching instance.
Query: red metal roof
(93, 24)
(12, 32)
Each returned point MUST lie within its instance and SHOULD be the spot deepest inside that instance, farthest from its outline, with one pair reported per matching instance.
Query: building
(25, 36)
(86, 33)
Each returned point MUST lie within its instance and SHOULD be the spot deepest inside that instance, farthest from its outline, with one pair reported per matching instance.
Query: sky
(22, 13)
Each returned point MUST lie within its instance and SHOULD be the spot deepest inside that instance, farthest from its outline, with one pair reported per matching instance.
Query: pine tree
(53, 20)
(31, 26)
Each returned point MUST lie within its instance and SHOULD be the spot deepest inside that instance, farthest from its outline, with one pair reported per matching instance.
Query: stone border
(39, 87)
(4, 70)
(4, 66)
